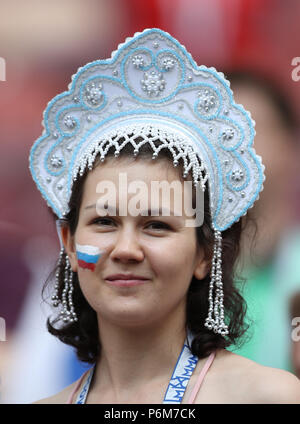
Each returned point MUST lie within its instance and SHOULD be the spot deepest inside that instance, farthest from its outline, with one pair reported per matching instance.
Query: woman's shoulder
(275, 385)
(245, 381)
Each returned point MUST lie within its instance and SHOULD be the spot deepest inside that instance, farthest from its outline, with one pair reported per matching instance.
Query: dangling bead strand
(55, 299)
(73, 316)
(216, 323)
(65, 313)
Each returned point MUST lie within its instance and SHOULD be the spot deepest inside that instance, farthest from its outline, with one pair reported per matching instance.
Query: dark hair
(83, 334)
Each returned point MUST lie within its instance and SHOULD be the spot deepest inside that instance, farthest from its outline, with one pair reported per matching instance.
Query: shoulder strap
(79, 382)
(201, 377)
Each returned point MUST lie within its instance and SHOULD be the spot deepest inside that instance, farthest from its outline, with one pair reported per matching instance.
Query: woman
(146, 295)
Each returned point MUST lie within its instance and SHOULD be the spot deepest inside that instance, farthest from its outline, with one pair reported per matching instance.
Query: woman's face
(161, 249)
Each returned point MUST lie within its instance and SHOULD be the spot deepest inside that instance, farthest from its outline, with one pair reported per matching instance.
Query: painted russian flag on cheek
(87, 256)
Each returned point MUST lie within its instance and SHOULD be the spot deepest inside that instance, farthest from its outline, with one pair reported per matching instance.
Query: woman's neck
(134, 358)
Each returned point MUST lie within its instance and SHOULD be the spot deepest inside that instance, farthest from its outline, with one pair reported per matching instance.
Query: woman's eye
(159, 225)
(107, 222)
(103, 221)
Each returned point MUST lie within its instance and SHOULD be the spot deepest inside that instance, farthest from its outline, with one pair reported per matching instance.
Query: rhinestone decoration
(237, 175)
(168, 64)
(228, 134)
(69, 122)
(138, 61)
(153, 83)
(55, 161)
(93, 94)
(207, 101)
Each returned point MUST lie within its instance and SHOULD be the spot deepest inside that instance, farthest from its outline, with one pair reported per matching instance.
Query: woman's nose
(127, 247)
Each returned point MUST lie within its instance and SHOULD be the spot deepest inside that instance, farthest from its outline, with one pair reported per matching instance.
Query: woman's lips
(126, 283)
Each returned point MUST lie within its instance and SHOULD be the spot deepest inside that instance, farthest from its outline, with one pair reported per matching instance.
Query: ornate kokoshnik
(152, 91)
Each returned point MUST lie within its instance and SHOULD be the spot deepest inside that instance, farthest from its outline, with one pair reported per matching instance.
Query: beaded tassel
(216, 306)
(55, 298)
(68, 313)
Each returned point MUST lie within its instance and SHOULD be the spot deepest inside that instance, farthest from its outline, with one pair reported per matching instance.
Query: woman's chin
(132, 318)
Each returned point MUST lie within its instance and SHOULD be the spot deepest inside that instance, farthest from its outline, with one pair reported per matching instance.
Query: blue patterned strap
(183, 370)
(81, 398)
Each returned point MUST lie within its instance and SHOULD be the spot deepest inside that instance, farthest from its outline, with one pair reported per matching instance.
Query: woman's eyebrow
(90, 206)
(150, 212)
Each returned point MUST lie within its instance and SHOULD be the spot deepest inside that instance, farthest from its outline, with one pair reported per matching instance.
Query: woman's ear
(202, 265)
(68, 242)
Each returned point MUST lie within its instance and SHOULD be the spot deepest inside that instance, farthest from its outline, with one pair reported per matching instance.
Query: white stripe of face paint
(88, 249)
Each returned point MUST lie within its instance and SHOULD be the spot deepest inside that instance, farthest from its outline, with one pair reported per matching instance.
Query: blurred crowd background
(254, 42)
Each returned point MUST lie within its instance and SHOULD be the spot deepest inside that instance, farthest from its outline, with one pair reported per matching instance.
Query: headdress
(151, 89)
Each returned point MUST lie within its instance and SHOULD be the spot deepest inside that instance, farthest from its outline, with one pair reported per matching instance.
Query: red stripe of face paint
(86, 265)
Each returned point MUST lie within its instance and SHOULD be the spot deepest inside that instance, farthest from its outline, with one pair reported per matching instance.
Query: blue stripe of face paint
(91, 259)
